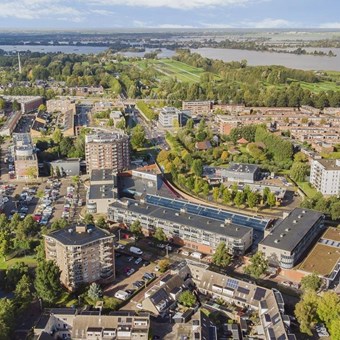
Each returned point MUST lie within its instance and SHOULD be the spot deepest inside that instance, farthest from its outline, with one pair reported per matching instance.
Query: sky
(106, 14)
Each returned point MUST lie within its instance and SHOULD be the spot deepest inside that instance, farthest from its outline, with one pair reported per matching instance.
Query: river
(254, 58)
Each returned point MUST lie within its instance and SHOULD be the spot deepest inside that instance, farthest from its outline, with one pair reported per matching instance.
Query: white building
(325, 176)
(169, 117)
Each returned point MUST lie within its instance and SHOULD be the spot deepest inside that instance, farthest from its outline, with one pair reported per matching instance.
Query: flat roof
(98, 191)
(194, 221)
(332, 234)
(66, 237)
(328, 164)
(321, 260)
(287, 234)
(242, 168)
(101, 175)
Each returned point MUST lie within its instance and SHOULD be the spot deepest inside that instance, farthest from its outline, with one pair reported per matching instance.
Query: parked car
(146, 263)
(130, 272)
(139, 260)
(130, 258)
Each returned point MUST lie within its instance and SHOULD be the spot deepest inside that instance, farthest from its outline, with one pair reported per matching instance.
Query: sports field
(174, 69)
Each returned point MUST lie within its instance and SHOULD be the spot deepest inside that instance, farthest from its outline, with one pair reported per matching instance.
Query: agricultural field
(168, 68)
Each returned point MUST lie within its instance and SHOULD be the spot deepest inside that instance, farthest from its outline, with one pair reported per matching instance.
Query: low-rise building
(69, 323)
(291, 237)
(325, 176)
(25, 158)
(11, 123)
(102, 191)
(197, 232)
(244, 173)
(67, 167)
(267, 303)
(197, 107)
(60, 105)
(28, 103)
(84, 254)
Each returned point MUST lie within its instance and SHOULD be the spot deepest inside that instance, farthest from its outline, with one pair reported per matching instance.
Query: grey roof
(290, 231)
(329, 164)
(66, 237)
(102, 175)
(243, 168)
(98, 191)
(195, 221)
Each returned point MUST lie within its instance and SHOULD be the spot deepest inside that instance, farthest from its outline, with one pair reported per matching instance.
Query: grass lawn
(321, 86)
(29, 260)
(331, 155)
(308, 190)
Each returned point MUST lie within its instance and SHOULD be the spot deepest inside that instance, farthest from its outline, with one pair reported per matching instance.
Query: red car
(37, 217)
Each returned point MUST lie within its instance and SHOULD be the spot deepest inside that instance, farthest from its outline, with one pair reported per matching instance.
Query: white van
(196, 255)
(122, 295)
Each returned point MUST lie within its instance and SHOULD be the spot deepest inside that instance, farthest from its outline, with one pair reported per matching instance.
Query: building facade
(288, 240)
(196, 232)
(245, 173)
(169, 117)
(197, 107)
(325, 176)
(83, 254)
(25, 158)
(106, 150)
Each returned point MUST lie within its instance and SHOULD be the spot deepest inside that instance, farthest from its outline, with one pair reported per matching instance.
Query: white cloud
(173, 26)
(268, 23)
(102, 12)
(330, 25)
(39, 9)
(175, 4)
(212, 25)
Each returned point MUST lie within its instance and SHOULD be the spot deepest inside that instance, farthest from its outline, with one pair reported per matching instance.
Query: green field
(321, 86)
(174, 69)
(29, 260)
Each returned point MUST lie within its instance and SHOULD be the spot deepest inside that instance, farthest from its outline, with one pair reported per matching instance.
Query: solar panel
(259, 294)
(243, 290)
(232, 283)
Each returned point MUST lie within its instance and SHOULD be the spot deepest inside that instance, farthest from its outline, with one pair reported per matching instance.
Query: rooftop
(290, 231)
(69, 236)
(195, 221)
(329, 164)
(98, 191)
(102, 174)
(244, 168)
(105, 137)
(328, 248)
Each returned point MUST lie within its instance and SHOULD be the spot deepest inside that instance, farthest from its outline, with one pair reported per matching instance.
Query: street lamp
(118, 235)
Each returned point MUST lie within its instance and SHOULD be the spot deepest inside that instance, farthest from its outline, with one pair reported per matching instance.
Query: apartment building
(84, 254)
(169, 117)
(107, 150)
(25, 158)
(325, 176)
(11, 123)
(28, 103)
(69, 323)
(197, 107)
(197, 232)
(291, 237)
(61, 105)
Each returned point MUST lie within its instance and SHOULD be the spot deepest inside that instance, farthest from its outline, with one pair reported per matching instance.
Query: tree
(47, 281)
(88, 219)
(15, 106)
(138, 137)
(258, 265)
(187, 298)
(216, 194)
(23, 292)
(65, 145)
(42, 108)
(5, 242)
(305, 311)
(335, 329)
(299, 171)
(163, 265)
(300, 157)
(14, 275)
(328, 308)
(239, 198)
(252, 199)
(7, 318)
(121, 124)
(197, 167)
(57, 135)
(221, 256)
(311, 282)
(32, 172)
(271, 199)
(94, 292)
(136, 228)
(335, 211)
(101, 223)
(226, 196)
(224, 156)
(160, 235)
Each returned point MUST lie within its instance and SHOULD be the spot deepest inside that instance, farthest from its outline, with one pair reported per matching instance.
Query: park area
(169, 68)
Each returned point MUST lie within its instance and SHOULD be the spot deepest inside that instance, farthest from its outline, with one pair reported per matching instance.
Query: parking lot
(25, 123)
